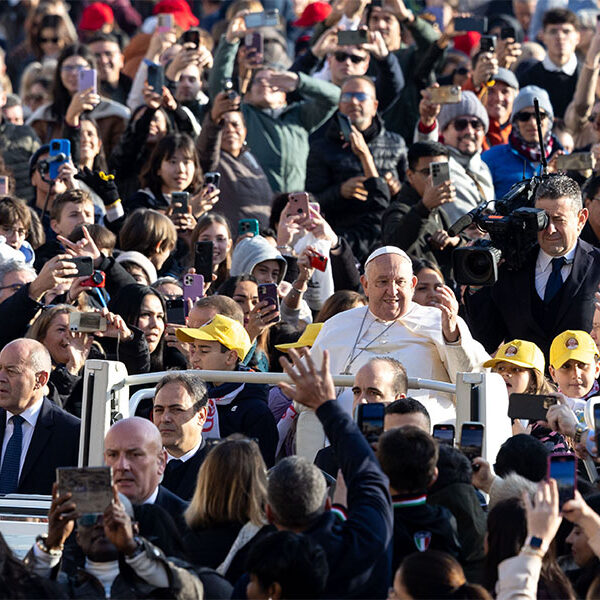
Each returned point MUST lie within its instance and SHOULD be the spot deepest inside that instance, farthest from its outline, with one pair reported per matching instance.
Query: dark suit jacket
(182, 479)
(55, 443)
(504, 311)
(174, 505)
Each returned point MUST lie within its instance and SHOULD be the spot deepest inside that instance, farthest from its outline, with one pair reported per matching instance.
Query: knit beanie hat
(525, 98)
(469, 106)
(508, 77)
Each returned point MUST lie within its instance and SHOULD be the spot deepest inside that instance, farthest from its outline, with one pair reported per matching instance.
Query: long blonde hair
(231, 486)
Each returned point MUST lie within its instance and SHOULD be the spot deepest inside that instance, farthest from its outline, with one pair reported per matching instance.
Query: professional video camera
(512, 229)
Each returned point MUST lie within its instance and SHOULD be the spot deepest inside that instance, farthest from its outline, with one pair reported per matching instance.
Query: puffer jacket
(17, 144)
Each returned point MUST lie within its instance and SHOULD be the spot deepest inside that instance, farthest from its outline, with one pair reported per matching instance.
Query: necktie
(171, 467)
(555, 280)
(9, 474)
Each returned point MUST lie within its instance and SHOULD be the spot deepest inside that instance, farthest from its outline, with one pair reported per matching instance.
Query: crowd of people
(250, 186)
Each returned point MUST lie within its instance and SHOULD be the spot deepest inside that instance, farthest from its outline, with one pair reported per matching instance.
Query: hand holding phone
(268, 292)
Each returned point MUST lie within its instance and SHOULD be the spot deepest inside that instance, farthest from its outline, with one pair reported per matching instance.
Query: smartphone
(508, 33)
(193, 288)
(345, 125)
(84, 265)
(248, 226)
(91, 487)
(563, 468)
(354, 37)
(268, 291)
(60, 150)
(471, 439)
(86, 322)
(191, 36)
(488, 43)
(212, 178)
(165, 22)
(478, 24)
(203, 260)
(254, 43)
(156, 77)
(269, 18)
(369, 418)
(578, 161)
(97, 280)
(597, 425)
(444, 433)
(176, 311)
(180, 202)
(298, 204)
(315, 206)
(530, 406)
(440, 172)
(4, 186)
(445, 94)
(318, 261)
(227, 86)
(87, 80)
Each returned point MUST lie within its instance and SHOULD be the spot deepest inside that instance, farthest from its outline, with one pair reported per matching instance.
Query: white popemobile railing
(480, 397)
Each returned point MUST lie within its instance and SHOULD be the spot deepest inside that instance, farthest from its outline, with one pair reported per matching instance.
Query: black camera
(512, 230)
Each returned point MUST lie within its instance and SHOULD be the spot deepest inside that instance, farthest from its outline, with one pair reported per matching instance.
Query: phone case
(176, 311)
(156, 77)
(59, 146)
(440, 172)
(254, 42)
(353, 37)
(478, 24)
(345, 126)
(529, 406)
(84, 264)
(248, 226)
(181, 198)
(298, 204)
(579, 161)
(87, 80)
(91, 487)
(268, 291)
(445, 94)
(193, 288)
(203, 261)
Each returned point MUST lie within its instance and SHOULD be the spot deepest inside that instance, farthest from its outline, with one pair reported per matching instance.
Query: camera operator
(554, 290)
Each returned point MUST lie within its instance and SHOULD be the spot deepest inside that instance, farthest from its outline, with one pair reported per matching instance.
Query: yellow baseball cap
(306, 340)
(573, 344)
(221, 329)
(520, 353)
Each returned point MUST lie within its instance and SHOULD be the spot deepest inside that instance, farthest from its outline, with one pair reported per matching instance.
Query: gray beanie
(508, 77)
(469, 106)
(525, 98)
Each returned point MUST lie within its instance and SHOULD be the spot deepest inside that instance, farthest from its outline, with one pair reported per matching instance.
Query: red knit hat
(314, 13)
(467, 41)
(95, 16)
(181, 11)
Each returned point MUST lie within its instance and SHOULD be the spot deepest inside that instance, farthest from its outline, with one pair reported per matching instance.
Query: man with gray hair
(357, 548)
(554, 290)
(180, 411)
(432, 342)
(36, 435)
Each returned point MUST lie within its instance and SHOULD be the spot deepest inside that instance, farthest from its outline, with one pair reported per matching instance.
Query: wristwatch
(580, 429)
(534, 545)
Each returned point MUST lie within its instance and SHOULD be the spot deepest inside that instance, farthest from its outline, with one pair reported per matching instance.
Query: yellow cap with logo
(306, 340)
(520, 353)
(229, 332)
(573, 344)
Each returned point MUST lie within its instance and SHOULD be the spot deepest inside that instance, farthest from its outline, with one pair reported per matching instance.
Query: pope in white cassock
(432, 342)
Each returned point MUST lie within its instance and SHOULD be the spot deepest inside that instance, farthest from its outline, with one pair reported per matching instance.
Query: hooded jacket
(252, 251)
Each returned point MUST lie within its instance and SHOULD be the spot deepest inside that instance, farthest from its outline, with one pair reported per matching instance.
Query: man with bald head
(432, 342)
(37, 436)
(133, 448)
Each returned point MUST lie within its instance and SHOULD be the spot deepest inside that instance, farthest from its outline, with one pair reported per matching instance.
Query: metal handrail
(415, 383)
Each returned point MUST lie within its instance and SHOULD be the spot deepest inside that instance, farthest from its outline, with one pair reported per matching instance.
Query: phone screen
(370, 420)
(444, 433)
(562, 468)
(471, 440)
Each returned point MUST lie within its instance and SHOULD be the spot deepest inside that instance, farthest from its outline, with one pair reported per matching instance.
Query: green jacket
(279, 138)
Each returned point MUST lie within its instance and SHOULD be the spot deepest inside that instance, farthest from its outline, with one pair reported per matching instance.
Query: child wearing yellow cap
(575, 366)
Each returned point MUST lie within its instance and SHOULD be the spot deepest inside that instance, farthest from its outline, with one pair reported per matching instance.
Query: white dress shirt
(30, 415)
(568, 68)
(543, 268)
(187, 455)
(151, 499)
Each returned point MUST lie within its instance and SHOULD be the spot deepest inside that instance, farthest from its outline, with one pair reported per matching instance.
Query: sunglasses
(523, 117)
(344, 56)
(45, 40)
(348, 96)
(462, 124)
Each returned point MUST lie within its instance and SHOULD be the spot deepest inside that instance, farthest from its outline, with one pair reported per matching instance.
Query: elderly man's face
(137, 459)
(466, 134)
(499, 101)
(374, 382)
(13, 282)
(389, 284)
(358, 102)
(20, 385)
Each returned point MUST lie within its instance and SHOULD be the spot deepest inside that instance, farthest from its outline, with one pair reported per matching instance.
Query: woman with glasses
(15, 221)
(521, 157)
(69, 102)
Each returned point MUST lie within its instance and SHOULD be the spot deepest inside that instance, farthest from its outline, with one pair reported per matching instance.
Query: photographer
(554, 289)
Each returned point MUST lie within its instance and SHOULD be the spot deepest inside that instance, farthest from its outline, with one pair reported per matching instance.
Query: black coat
(209, 547)
(181, 479)
(506, 310)
(55, 443)
(174, 505)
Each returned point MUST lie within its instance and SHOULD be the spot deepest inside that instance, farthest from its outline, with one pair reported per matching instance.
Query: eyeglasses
(523, 117)
(73, 68)
(462, 124)
(89, 520)
(45, 40)
(8, 230)
(344, 56)
(424, 171)
(15, 286)
(360, 96)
